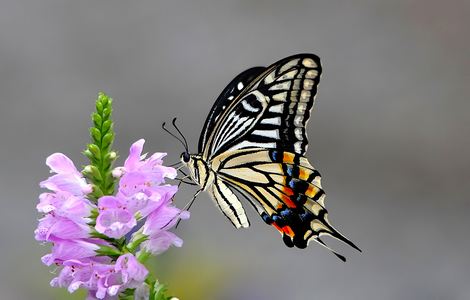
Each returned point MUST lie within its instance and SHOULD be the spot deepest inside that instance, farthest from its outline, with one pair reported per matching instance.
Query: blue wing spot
(278, 220)
(266, 218)
(289, 170)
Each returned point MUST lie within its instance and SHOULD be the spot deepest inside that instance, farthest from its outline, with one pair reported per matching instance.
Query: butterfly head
(185, 157)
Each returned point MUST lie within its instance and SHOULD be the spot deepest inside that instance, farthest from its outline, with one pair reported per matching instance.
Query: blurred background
(390, 134)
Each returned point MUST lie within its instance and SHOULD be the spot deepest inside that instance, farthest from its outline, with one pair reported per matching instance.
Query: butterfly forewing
(232, 91)
(272, 110)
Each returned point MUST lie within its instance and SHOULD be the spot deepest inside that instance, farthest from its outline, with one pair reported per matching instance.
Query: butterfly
(253, 146)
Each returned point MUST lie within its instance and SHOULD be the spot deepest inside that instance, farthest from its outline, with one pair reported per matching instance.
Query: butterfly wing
(270, 112)
(228, 203)
(285, 190)
(232, 91)
(254, 140)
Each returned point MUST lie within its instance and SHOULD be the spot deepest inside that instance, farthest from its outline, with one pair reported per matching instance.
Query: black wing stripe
(291, 99)
(228, 94)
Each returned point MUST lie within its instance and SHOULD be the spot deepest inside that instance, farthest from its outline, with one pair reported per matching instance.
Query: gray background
(390, 134)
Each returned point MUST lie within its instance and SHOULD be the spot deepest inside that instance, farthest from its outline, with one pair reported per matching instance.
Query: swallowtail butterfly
(253, 145)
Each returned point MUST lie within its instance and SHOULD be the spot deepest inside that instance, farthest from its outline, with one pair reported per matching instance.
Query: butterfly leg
(188, 206)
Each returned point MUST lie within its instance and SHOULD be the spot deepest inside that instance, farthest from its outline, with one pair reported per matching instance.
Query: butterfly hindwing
(228, 204)
(272, 110)
(288, 189)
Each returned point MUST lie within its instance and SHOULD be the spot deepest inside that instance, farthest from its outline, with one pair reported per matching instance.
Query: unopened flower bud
(93, 173)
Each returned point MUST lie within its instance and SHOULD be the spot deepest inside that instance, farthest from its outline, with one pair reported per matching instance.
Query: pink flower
(103, 279)
(115, 219)
(156, 228)
(151, 170)
(161, 241)
(78, 273)
(68, 178)
(69, 218)
(53, 227)
(141, 199)
(66, 205)
(66, 217)
(137, 162)
(63, 250)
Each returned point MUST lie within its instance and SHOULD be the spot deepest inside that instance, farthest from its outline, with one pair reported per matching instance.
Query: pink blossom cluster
(80, 230)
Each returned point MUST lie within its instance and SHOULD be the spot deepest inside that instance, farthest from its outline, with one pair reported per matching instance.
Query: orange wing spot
(311, 191)
(279, 206)
(303, 174)
(288, 201)
(288, 158)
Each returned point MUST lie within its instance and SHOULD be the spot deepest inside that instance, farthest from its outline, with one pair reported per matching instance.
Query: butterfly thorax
(199, 170)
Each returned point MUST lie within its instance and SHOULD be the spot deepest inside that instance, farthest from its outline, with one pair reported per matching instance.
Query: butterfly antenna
(185, 145)
(179, 131)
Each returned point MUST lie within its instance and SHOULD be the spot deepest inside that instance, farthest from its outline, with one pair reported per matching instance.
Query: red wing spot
(277, 227)
(286, 230)
(287, 191)
(288, 201)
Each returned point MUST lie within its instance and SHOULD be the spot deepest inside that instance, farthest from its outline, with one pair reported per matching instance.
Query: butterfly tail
(331, 231)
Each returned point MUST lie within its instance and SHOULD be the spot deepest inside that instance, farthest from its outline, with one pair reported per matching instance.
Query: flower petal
(161, 242)
(115, 223)
(134, 155)
(60, 164)
(163, 218)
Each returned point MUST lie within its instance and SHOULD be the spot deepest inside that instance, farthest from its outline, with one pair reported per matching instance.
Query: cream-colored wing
(228, 203)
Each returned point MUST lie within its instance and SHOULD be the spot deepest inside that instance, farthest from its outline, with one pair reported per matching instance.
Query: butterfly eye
(185, 156)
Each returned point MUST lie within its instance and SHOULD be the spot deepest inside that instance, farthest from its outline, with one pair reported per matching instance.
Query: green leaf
(158, 291)
(108, 251)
